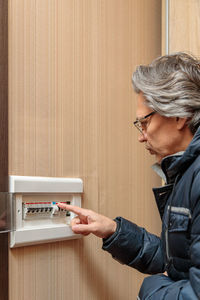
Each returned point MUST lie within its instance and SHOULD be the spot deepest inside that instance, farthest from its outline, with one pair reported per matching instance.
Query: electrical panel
(38, 219)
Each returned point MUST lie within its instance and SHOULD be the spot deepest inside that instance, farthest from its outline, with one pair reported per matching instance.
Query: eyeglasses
(142, 123)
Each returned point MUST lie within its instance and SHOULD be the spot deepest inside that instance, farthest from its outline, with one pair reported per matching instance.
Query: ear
(180, 123)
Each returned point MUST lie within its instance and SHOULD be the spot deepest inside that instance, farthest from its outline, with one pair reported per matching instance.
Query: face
(161, 135)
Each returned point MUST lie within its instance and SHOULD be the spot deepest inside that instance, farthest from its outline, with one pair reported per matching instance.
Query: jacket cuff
(108, 241)
(126, 242)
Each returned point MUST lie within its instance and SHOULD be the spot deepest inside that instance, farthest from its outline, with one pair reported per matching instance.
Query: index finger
(75, 209)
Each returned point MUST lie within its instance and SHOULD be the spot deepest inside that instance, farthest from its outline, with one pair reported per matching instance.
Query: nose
(142, 137)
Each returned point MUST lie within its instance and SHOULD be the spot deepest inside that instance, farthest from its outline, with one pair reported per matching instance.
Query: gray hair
(171, 86)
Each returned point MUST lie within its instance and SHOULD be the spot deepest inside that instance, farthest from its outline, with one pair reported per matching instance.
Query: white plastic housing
(34, 184)
(34, 223)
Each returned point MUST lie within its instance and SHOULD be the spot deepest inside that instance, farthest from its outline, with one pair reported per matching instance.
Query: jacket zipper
(169, 259)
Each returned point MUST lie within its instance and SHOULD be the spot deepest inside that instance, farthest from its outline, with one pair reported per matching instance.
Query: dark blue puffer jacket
(177, 251)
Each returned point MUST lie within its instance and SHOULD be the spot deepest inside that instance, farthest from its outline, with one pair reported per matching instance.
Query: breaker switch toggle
(55, 210)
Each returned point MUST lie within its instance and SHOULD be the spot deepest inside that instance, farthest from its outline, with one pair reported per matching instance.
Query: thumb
(82, 228)
(89, 219)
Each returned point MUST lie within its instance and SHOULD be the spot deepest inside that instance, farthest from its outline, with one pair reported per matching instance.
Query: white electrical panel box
(38, 219)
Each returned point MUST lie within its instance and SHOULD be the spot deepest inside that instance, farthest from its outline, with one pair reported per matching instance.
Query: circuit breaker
(38, 219)
(43, 210)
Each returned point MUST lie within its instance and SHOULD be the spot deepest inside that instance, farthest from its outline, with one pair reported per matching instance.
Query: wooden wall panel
(4, 144)
(71, 107)
(184, 26)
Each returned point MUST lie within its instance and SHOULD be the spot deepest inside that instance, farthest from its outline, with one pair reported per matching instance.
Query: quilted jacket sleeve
(134, 246)
(160, 287)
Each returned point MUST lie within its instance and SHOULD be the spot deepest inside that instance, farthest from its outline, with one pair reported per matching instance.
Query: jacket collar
(178, 163)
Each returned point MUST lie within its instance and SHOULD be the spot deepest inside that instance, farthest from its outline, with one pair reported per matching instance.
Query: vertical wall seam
(167, 27)
(4, 264)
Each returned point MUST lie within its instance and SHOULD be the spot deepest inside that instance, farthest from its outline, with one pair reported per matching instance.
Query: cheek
(156, 141)
(152, 138)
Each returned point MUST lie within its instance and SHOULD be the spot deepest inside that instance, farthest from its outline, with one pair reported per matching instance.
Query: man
(168, 118)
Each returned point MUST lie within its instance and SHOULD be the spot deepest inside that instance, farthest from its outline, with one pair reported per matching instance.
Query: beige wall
(71, 107)
(184, 26)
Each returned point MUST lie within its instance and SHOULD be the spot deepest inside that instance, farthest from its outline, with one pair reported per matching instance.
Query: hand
(87, 221)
